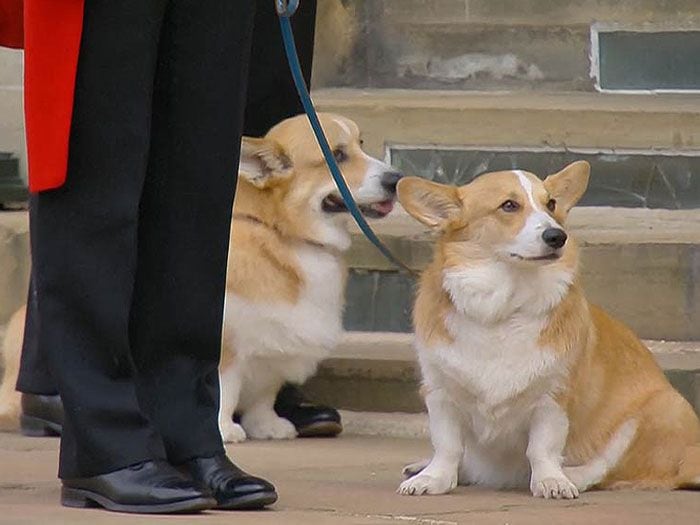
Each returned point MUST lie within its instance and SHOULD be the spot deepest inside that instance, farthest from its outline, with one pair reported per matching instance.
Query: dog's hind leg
(596, 470)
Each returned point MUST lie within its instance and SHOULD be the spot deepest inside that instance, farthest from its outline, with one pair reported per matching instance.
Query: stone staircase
(449, 89)
(642, 265)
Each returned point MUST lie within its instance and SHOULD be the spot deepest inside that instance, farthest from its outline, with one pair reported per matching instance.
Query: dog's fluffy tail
(596, 470)
(11, 350)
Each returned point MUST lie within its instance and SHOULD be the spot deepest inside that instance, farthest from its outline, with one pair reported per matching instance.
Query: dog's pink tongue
(384, 207)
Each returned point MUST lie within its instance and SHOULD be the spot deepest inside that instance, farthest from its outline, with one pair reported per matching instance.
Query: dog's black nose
(390, 179)
(554, 237)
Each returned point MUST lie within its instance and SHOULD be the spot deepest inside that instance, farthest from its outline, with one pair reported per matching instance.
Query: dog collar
(310, 242)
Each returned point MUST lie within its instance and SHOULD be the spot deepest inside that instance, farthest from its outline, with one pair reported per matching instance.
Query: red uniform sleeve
(11, 23)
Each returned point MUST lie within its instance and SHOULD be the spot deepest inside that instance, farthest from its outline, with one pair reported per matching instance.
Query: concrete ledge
(541, 12)
(596, 121)
(387, 424)
(640, 264)
(378, 372)
(589, 225)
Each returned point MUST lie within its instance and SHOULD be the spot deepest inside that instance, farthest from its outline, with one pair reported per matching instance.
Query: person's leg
(185, 216)
(84, 239)
(34, 374)
(177, 310)
(270, 99)
(42, 410)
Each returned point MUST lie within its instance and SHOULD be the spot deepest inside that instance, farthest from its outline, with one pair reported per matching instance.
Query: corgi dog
(286, 280)
(526, 383)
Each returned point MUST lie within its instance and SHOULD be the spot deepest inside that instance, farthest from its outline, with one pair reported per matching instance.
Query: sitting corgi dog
(525, 382)
(286, 282)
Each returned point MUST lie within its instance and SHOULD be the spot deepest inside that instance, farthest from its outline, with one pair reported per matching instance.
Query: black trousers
(129, 258)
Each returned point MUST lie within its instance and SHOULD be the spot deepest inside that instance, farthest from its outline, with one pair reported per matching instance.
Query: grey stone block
(644, 60)
(617, 179)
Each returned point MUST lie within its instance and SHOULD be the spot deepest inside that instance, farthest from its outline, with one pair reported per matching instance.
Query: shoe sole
(254, 501)
(322, 429)
(84, 499)
(31, 426)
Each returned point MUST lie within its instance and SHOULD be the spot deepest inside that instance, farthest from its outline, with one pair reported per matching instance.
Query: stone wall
(11, 108)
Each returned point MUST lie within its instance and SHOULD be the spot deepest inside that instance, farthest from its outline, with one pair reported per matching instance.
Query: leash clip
(286, 8)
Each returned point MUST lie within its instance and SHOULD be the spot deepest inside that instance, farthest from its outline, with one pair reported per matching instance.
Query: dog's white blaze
(343, 126)
(527, 186)
(528, 242)
(371, 189)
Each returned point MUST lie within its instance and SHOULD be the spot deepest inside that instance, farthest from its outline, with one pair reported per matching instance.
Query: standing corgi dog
(285, 287)
(526, 383)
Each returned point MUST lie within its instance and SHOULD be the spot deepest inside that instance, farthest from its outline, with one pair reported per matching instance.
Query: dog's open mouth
(334, 204)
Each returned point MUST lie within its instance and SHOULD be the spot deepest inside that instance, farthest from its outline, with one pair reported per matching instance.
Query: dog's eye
(551, 204)
(510, 206)
(340, 155)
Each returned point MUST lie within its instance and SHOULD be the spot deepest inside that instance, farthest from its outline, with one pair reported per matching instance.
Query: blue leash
(285, 10)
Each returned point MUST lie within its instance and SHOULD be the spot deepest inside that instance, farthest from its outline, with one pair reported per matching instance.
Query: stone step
(475, 57)
(642, 265)
(378, 373)
(454, 44)
(540, 12)
(611, 124)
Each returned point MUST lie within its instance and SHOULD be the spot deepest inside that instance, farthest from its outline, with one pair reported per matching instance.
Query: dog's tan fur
(287, 275)
(625, 426)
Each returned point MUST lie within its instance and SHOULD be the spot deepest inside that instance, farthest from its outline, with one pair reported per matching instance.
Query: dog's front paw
(269, 427)
(232, 432)
(553, 488)
(427, 484)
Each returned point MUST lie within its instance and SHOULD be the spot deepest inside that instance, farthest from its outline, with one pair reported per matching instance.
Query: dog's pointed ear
(569, 185)
(263, 162)
(431, 203)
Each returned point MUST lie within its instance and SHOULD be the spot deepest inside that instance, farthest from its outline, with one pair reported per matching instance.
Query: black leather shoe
(232, 488)
(41, 415)
(310, 420)
(150, 487)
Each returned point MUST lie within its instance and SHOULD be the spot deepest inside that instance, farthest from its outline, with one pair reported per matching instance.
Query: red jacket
(50, 33)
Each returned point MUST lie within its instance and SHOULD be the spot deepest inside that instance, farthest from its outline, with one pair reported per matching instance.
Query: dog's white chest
(495, 374)
(324, 280)
(309, 327)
